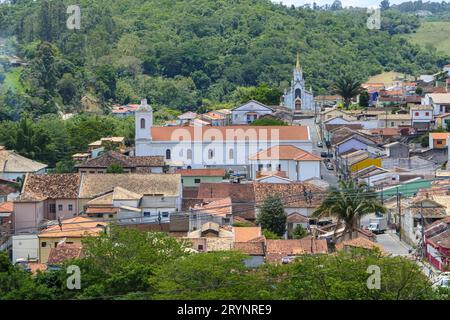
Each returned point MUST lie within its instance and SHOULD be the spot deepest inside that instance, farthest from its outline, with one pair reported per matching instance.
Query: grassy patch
(12, 80)
(435, 34)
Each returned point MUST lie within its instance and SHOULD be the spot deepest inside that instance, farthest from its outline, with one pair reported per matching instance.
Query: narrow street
(391, 243)
(328, 175)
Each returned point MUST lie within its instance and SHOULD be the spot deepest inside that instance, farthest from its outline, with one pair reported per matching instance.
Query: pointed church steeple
(297, 65)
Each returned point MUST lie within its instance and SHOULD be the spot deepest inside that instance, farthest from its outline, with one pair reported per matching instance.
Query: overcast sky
(345, 3)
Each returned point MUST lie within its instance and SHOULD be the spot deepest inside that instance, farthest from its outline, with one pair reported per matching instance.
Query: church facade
(297, 98)
(198, 146)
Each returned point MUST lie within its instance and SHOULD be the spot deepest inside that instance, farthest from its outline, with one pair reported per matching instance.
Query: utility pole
(399, 206)
(422, 249)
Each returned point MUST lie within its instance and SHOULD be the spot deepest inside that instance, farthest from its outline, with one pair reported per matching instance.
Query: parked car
(324, 154)
(443, 280)
(329, 166)
(287, 259)
(320, 144)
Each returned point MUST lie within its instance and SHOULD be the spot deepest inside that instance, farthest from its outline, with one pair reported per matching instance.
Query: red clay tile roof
(360, 242)
(222, 133)
(77, 227)
(277, 249)
(296, 217)
(246, 234)
(94, 210)
(238, 192)
(6, 206)
(201, 172)
(64, 252)
(6, 189)
(250, 248)
(242, 196)
(292, 193)
(285, 152)
(217, 207)
(112, 157)
(51, 186)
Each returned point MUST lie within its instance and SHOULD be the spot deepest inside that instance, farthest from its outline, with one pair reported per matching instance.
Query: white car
(443, 280)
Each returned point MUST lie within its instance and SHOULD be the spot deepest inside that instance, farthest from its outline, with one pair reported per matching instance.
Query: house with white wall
(439, 101)
(212, 146)
(249, 112)
(14, 166)
(422, 117)
(295, 163)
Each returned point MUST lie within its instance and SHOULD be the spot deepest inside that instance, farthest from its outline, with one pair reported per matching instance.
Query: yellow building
(71, 231)
(365, 163)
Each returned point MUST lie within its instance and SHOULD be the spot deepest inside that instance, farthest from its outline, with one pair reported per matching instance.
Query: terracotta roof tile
(221, 207)
(51, 186)
(64, 252)
(246, 234)
(360, 242)
(250, 248)
(285, 152)
(277, 249)
(6, 206)
(292, 193)
(74, 227)
(112, 157)
(94, 185)
(201, 172)
(222, 133)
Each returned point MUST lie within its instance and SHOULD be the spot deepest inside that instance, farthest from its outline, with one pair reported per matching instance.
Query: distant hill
(433, 34)
(185, 54)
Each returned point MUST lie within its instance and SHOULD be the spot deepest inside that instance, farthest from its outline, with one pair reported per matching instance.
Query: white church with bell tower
(297, 98)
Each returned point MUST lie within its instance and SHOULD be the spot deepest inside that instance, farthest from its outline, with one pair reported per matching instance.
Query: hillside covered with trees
(186, 55)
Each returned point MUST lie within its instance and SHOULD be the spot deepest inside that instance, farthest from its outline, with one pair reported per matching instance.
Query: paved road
(389, 240)
(328, 175)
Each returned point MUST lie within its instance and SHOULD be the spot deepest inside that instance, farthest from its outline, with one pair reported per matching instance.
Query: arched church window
(298, 93)
(168, 154)
(142, 123)
(231, 154)
(189, 153)
(210, 154)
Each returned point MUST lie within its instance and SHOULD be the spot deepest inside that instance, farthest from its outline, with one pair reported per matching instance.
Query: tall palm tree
(348, 203)
(347, 88)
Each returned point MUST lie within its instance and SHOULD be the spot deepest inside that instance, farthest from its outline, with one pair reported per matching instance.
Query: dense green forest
(186, 55)
(130, 264)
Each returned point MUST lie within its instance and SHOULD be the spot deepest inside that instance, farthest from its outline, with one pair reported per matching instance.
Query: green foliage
(124, 261)
(214, 275)
(299, 232)
(242, 224)
(52, 140)
(348, 203)
(419, 90)
(344, 276)
(19, 285)
(268, 122)
(262, 93)
(270, 234)
(115, 168)
(272, 215)
(130, 264)
(364, 99)
(424, 141)
(347, 88)
(227, 51)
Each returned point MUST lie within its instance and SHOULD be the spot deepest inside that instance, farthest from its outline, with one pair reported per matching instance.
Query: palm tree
(348, 204)
(347, 88)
